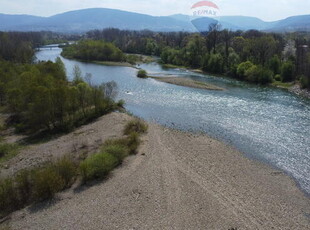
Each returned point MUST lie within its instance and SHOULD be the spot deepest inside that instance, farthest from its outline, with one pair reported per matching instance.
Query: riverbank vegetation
(39, 97)
(100, 52)
(252, 56)
(89, 50)
(43, 183)
(142, 74)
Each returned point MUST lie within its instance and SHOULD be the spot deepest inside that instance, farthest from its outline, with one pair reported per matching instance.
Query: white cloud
(264, 9)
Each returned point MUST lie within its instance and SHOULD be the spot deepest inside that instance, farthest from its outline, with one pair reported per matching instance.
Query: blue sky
(265, 9)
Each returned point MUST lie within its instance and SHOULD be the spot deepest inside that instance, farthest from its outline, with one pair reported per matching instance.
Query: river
(267, 124)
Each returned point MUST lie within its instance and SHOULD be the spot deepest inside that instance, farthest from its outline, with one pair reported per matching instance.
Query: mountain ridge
(78, 21)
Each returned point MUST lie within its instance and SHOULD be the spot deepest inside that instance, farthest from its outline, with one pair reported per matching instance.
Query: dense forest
(253, 56)
(39, 96)
(89, 50)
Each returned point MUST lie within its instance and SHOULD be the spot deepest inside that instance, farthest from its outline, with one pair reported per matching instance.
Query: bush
(8, 150)
(133, 142)
(66, 169)
(278, 77)
(274, 64)
(23, 186)
(305, 82)
(118, 150)
(8, 196)
(215, 63)
(142, 73)
(242, 68)
(46, 182)
(136, 125)
(287, 71)
(98, 166)
(259, 74)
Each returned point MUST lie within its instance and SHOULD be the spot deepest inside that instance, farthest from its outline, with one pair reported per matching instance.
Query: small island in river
(187, 83)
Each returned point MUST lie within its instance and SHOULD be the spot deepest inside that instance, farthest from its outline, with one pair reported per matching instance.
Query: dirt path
(178, 181)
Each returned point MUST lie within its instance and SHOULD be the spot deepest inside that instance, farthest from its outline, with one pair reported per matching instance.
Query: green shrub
(8, 196)
(46, 182)
(142, 73)
(7, 150)
(215, 63)
(117, 150)
(274, 64)
(136, 125)
(133, 142)
(278, 77)
(23, 181)
(242, 68)
(287, 71)
(97, 166)
(259, 74)
(305, 82)
(66, 169)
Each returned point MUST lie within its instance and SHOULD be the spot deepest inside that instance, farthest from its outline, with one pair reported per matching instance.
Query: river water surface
(268, 124)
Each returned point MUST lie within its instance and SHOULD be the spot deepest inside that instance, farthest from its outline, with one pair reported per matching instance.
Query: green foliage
(243, 68)
(133, 142)
(274, 65)
(278, 77)
(46, 183)
(24, 186)
(287, 71)
(37, 184)
(40, 97)
(7, 151)
(213, 63)
(120, 151)
(90, 50)
(259, 74)
(135, 125)
(142, 73)
(66, 169)
(43, 183)
(305, 82)
(98, 166)
(8, 196)
(18, 46)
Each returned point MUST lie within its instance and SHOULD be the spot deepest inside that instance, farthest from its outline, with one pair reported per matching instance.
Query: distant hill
(88, 19)
(295, 23)
(99, 18)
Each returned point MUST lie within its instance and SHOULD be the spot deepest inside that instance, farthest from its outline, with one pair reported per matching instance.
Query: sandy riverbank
(187, 83)
(177, 181)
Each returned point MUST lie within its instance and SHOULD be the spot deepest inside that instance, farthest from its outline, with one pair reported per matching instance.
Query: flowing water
(268, 124)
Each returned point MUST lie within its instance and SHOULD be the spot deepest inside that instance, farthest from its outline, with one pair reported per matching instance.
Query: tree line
(253, 56)
(91, 50)
(39, 96)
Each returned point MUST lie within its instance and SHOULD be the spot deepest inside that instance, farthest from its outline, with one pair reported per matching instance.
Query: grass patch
(137, 126)
(8, 151)
(113, 152)
(98, 166)
(120, 151)
(34, 185)
(38, 184)
(46, 182)
(284, 85)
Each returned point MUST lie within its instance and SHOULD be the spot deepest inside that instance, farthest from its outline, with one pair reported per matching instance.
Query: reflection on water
(268, 124)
